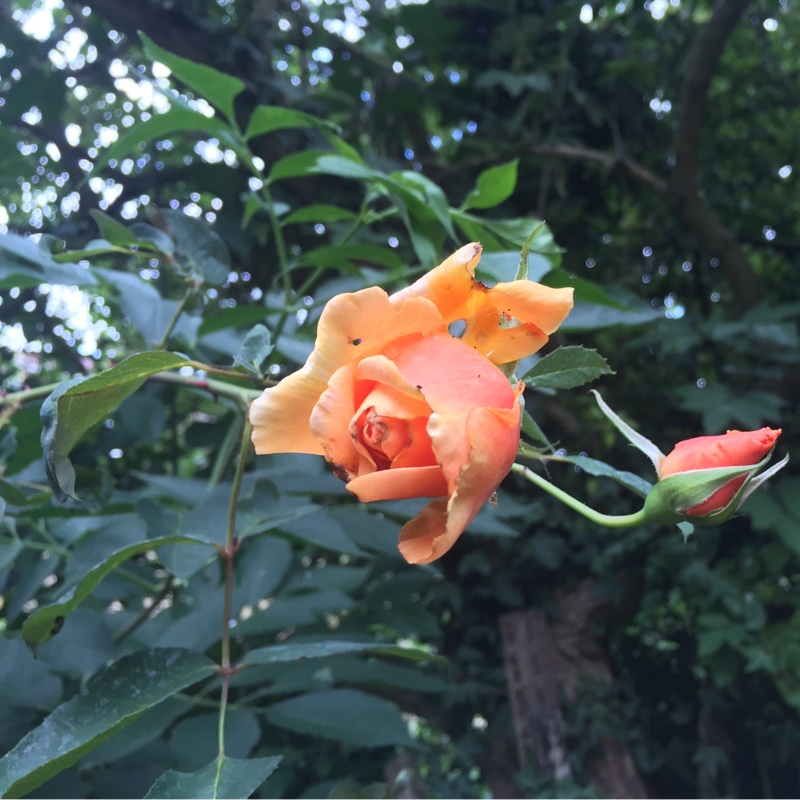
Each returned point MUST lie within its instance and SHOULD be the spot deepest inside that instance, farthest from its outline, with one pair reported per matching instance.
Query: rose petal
(486, 310)
(331, 417)
(449, 285)
(733, 449)
(543, 306)
(501, 345)
(383, 437)
(450, 445)
(380, 369)
(351, 327)
(419, 452)
(399, 484)
(391, 401)
(449, 373)
(493, 435)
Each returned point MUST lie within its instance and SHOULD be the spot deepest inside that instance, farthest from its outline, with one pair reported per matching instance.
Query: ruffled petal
(399, 484)
(351, 327)
(493, 436)
(501, 345)
(450, 445)
(419, 452)
(280, 417)
(457, 294)
(526, 301)
(449, 286)
(382, 370)
(331, 417)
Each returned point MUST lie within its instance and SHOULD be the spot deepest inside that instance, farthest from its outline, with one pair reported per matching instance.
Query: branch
(701, 63)
(608, 160)
(681, 191)
(699, 68)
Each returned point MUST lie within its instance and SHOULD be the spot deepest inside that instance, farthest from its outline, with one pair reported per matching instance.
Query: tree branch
(608, 160)
(681, 191)
(684, 197)
(699, 68)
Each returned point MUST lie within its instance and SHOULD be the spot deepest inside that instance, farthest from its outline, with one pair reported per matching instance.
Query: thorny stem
(227, 553)
(607, 520)
(162, 345)
(24, 396)
(16, 399)
(239, 393)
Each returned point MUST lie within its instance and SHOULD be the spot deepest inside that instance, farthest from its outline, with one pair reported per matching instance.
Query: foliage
(192, 211)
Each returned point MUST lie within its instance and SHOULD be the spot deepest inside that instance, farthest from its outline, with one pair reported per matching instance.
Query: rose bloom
(733, 449)
(403, 409)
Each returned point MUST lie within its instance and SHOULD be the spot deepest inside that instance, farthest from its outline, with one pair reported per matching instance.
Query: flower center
(382, 437)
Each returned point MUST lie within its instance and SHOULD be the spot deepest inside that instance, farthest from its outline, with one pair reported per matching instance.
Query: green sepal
(634, 437)
(672, 496)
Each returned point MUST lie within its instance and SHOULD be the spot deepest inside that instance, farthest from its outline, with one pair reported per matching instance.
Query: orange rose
(734, 449)
(403, 409)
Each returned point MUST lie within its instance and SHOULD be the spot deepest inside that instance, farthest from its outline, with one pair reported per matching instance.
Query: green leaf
(255, 349)
(266, 119)
(112, 231)
(9, 548)
(226, 777)
(218, 88)
(112, 699)
(522, 267)
(46, 621)
(531, 428)
(149, 313)
(175, 120)
(494, 186)
(194, 741)
(591, 316)
(601, 469)
(567, 368)
(11, 494)
(316, 162)
(23, 263)
(344, 715)
(299, 651)
(150, 235)
(198, 248)
(585, 291)
(239, 316)
(77, 405)
(430, 196)
(144, 729)
(320, 212)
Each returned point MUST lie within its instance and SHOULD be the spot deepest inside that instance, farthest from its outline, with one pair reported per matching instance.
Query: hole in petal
(457, 327)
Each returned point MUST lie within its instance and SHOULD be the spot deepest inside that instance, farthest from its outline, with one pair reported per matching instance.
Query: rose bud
(706, 475)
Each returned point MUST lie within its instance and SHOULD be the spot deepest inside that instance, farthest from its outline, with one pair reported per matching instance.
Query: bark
(545, 659)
